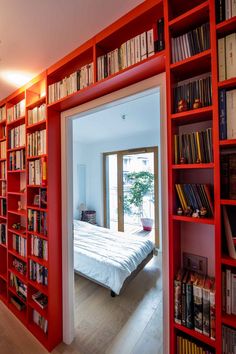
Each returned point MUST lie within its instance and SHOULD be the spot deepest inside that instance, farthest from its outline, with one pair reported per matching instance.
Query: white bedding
(106, 256)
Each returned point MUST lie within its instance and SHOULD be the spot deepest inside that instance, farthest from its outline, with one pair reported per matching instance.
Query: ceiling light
(16, 78)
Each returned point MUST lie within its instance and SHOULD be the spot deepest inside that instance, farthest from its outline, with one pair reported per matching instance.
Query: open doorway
(94, 310)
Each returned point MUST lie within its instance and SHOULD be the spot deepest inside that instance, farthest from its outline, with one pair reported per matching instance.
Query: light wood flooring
(128, 324)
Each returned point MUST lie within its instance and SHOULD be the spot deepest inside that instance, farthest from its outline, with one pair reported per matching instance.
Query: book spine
(197, 293)
(228, 291)
(212, 315)
(230, 112)
(231, 55)
(222, 114)
(177, 295)
(233, 294)
(206, 312)
(221, 59)
(189, 306)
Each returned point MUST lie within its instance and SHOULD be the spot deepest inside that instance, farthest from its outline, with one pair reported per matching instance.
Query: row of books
(227, 108)
(194, 302)
(38, 273)
(17, 160)
(3, 188)
(40, 321)
(19, 286)
(36, 143)
(37, 114)
(227, 57)
(2, 233)
(191, 43)
(228, 175)
(193, 93)
(225, 9)
(16, 111)
(229, 291)
(195, 200)
(3, 114)
(3, 207)
(37, 221)
(3, 150)
(40, 200)
(229, 247)
(19, 266)
(228, 340)
(40, 299)
(132, 51)
(187, 346)
(37, 172)
(3, 170)
(19, 245)
(17, 137)
(78, 80)
(39, 247)
(195, 147)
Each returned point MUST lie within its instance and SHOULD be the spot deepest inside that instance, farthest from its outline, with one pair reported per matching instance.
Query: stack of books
(228, 340)
(191, 43)
(225, 9)
(19, 244)
(37, 114)
(39, 247)
(227, 109)
(187, 346)
(194, 302)
(194, 198)
(227, 57)
(195, 147)
(40, 321)
(36, 143)
(17, 137)
(132, 51)
(188, 91)
(16, 111)
(78, 80)
(38, 273)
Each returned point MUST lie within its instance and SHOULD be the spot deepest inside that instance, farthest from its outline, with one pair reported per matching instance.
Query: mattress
(105, 256)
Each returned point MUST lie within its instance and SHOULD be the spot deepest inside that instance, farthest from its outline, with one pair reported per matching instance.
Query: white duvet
(106, 256)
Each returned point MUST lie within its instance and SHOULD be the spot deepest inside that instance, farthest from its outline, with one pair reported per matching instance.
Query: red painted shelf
(226, 26)
(3, 139)
(22, 277)
(38, 125)
(37, 234)
(3, 197)
(18, 212)
(194, 220)
(193, 166)
(39, 287)
(3, 245)
(17, 255)
(196, 335)
(16, 171)
(230, 83)
(228, 202)
(39, 260)
(37, 103)
(21, 232)
(3, 276)
(36, 208)
(3, 298)
(181, 22)
(135, 73)
(191, 116)
(202, 60)
(16, 122)
(3, 121)
(228, 261)
(228, 142)
(229, 320)
(17, 148)
(36, 157)
(13, 291)
(16, 193)
(35, 306)
(3, 217)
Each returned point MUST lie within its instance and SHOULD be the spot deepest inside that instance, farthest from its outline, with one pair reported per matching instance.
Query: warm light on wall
(16, 78)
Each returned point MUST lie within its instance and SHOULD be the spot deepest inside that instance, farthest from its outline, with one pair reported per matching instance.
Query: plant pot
(147, 224)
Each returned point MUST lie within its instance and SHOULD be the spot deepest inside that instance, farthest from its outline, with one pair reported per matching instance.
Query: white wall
(91, 155)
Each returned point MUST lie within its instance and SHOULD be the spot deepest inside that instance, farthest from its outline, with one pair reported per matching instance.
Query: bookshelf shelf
(3, 245)
(21, 315)
(226, 26)
(21, 232)
(38, 102)
(36, 157)
(16, 171)
(17, 255)
(228, 202)
(38, 125)
(188, 65)
(39, 260)
(196, 335)
(17, 148)
(192, 116)
(193, 166)
(227, 84)
(12, 290)
(16, 122)
(193, 220)
(3, 276)
(43, 289)
(34, 207)
(22, 277)
(200, 12)
(229, 142)
(16, 193)
(35, 306)
(226, 260)
(229, 320)
(18, 212)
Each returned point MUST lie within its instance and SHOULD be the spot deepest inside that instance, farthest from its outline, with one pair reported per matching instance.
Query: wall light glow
(16, 78)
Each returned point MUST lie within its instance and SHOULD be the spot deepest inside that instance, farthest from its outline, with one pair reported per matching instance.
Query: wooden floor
(128, 324)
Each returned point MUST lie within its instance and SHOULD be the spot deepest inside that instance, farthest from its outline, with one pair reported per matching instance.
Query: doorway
(131, 191)
(67, 196)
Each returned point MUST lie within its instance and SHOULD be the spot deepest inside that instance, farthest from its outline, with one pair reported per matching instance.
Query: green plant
(141, 184)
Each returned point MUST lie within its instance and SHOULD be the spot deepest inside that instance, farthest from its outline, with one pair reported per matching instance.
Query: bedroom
(123, 141)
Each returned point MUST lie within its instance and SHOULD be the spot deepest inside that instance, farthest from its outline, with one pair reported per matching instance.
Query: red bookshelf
(20, 192)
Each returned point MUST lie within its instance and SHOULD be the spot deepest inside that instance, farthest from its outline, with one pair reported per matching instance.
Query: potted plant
(141, 184)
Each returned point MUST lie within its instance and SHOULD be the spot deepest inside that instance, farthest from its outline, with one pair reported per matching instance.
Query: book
(220, 11)
(206, 306)
(40, 299)
(198, 303)
(212, 311)
(189, 301)
(183, 299)
(222, 114)
(221, 59)
(230, 50)
(17, 303)
(143, 39)
(230, 112)
(228, 230)
(177, 296)
(40, 321)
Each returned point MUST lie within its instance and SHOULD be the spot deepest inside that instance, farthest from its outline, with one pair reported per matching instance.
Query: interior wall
(91, 157)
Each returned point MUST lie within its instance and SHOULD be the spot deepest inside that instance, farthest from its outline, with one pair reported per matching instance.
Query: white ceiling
(34, 34)
(142, 116)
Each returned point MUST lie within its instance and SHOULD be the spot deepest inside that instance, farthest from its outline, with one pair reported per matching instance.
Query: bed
(111, 259)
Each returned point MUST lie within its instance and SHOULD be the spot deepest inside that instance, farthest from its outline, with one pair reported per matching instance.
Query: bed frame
(127, 280)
